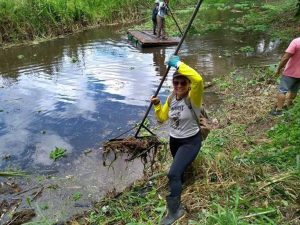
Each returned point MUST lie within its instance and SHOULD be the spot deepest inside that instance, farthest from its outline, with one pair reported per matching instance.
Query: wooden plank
(147, 39)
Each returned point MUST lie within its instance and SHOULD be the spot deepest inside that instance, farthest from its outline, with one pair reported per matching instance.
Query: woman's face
(181, 86)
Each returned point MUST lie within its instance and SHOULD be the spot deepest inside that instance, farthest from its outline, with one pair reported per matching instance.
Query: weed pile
(145, 147)
(131, 144)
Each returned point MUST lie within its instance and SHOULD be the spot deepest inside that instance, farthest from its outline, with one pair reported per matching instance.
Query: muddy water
(79, 91)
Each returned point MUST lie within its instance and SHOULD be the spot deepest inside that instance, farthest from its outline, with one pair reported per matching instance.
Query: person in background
(290, 78)
(185, 139)
(154, 16)
(162, 13)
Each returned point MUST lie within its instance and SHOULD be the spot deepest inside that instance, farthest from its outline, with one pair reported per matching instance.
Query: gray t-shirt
(181, 120)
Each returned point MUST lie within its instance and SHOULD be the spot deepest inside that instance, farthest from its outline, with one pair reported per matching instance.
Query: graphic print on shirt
(175, 116)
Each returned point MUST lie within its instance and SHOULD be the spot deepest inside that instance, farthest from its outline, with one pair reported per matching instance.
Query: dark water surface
(79, 91)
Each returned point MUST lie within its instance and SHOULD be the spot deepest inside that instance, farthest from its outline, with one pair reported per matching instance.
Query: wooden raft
(147, 39)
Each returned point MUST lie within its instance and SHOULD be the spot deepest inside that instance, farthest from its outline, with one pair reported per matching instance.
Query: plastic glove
(173, 61)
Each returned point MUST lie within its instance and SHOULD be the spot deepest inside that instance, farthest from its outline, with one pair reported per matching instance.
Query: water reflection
(159, 58)
(266, 47)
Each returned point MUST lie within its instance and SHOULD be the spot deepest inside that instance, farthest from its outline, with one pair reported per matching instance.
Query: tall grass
(28, 19)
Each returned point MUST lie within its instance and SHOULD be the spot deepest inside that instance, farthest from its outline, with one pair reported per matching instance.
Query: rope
(175, 20)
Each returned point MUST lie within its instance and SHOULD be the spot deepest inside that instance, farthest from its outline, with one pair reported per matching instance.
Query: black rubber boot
(175, 211)
(154, 31)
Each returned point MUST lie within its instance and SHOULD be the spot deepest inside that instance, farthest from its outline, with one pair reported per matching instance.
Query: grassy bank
(23, 20)
(30, 19)
(248, 171)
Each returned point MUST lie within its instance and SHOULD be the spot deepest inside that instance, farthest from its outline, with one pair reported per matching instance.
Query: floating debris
(130, 145)
(135, 147)
(21, 217)
(12, 173)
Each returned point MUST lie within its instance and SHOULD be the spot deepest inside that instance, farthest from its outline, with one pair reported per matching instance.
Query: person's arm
(197, 86)
(160, 5)
(285, 58)
(161, 111)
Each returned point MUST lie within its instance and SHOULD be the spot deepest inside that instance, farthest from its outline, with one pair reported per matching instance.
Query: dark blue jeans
(184, 151)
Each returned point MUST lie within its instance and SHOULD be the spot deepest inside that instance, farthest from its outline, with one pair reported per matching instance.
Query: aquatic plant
(12, 173)
(57, 153)
(246, 49)
(77, 196)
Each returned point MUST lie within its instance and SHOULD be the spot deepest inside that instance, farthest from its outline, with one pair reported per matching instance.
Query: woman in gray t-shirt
(180, 110)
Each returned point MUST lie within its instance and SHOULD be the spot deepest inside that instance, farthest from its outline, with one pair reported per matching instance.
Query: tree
(298, 11)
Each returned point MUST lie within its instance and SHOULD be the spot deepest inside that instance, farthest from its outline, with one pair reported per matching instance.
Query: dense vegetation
(28, 19)
(298, 11)
(238, 16)
(31, 19)
(22, 20)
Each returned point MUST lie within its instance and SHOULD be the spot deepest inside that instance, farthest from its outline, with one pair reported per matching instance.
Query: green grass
(137, 206)
(284, 150)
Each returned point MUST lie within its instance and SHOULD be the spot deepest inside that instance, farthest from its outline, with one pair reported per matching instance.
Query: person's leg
(185, 155)
(293, 92)
(283, 88)
(187, 151)
(163, 32)
(174, 145)
(154, 25)
(290, 98)
(159, 26)
(280, 101)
